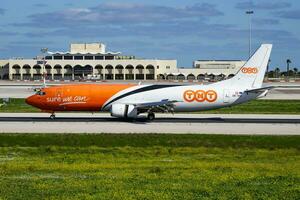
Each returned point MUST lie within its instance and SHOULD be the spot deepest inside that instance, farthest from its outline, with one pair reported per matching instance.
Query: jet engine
(123, 111)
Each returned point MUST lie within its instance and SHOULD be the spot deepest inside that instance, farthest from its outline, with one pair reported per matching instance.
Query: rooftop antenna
(44, 51)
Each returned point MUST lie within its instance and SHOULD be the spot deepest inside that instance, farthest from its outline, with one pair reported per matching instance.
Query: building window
(68, 57)
(48, 57)
(157, 67)
(57, 57)
(78, 57)
(88, 57)
(109, 57)
(99, 57)
(168, 67)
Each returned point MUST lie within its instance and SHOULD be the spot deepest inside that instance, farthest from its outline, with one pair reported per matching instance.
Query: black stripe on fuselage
(143, 89)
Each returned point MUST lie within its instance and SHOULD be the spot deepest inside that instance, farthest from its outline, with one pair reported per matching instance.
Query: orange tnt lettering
(245, 70)
(254, 70)
(211, 96)
(200, 96)
(249, 70)
(189, 96)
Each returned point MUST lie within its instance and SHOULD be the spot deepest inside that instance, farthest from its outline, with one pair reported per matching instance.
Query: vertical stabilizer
(251, 75)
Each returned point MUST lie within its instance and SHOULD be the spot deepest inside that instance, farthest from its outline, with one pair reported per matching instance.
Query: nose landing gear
(52, 116)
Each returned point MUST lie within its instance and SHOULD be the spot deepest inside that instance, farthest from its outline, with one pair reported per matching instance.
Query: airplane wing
(164, 105)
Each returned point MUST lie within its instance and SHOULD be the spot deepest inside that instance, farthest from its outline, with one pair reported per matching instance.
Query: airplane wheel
(151, 116)
(52, 116)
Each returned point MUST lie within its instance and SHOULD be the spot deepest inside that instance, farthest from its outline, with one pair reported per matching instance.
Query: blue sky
(169, 29)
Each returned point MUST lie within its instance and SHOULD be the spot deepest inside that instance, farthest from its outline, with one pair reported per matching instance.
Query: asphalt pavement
(164, 123)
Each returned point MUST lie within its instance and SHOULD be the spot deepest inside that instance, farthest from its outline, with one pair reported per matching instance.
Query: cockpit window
(41, 93)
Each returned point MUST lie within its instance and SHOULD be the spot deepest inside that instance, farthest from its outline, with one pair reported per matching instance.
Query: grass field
(253, 107)
(16, 105)
(262, 107)
(149, 167)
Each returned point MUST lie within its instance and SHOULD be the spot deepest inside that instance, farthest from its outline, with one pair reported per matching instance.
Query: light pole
(44, 51)
(250, 12)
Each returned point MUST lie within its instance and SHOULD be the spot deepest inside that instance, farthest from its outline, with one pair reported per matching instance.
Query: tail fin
(251, 75)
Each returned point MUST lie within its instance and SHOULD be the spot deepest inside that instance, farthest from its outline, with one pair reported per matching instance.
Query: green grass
(262, 107)
(253, 107)
(16, 105)
(37, 166)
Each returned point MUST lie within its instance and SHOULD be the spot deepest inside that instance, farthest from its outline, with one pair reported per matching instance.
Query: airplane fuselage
(100, 97)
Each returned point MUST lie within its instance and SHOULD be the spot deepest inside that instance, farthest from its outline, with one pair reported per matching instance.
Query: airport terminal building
(93, 62)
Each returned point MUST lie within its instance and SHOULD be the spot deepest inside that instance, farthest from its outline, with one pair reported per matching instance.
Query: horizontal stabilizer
(257, 90)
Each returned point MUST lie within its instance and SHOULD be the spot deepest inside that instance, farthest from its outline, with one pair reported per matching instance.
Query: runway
(164, 123)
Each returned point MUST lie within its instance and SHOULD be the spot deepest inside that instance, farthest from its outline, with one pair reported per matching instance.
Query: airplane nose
(30, 100)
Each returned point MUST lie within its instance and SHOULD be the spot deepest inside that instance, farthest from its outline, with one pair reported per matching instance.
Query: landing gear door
(226, 97)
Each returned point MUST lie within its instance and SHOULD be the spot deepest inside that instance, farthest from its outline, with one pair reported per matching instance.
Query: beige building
(91, 61)
(205, 70)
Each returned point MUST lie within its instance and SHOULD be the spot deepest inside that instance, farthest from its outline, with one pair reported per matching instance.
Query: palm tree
(277, 71)
(271, 74)
(268, 67)
(295, 71)
(288, 62)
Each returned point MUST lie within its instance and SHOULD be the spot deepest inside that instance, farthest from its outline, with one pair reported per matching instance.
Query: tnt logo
(200, 96)
(189, 96)
(249, 70)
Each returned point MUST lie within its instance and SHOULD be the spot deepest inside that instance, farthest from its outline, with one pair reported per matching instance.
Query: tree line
(289, 72)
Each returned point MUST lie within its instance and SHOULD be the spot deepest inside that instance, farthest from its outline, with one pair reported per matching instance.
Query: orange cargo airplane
(129, 100)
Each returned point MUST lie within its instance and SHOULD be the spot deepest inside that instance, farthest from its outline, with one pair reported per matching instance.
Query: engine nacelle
(123, 111)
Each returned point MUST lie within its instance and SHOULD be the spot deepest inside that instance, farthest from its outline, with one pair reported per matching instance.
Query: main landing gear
(151, 116)
(52, 116)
